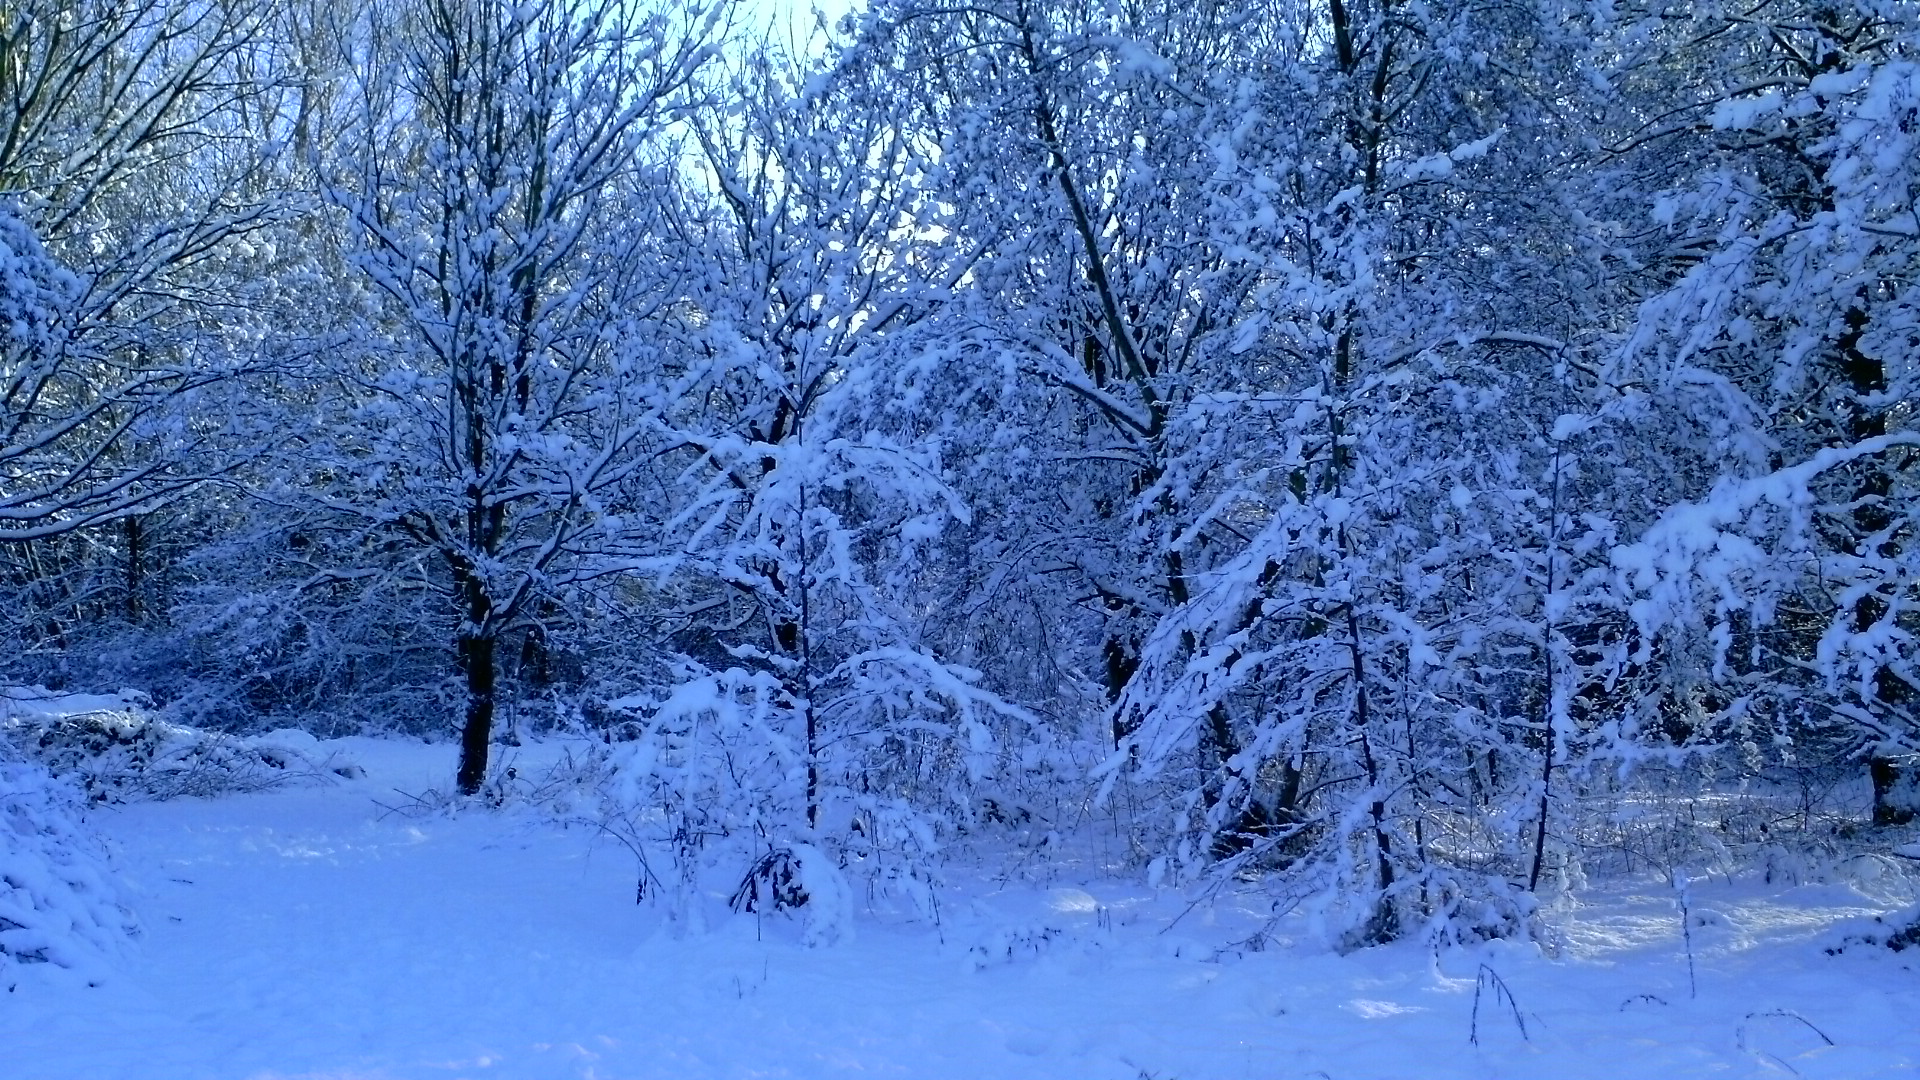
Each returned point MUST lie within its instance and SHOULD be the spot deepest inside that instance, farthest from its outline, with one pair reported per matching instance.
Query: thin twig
(1501, 992)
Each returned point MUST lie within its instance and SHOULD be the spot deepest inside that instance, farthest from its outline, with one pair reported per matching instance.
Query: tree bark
(136, 554)
(477, 661)
(475, 654)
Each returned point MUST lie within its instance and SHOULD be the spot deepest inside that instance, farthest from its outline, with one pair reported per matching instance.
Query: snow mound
(115, 750)
(58, 903)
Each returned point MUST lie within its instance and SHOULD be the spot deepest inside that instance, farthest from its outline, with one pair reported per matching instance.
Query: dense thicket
(1358, 442)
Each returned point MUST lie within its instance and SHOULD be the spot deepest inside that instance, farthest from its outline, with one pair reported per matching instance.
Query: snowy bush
(58, 903)
(1896, 933)
(799, 877)
(114, 750)
(716, 785)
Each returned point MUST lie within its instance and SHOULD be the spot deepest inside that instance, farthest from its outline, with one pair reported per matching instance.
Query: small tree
(814, 481)
(499, 176)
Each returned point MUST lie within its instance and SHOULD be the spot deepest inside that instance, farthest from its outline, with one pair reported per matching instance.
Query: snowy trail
(302, 934)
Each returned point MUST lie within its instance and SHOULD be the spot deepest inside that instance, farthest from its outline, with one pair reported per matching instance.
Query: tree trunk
(1383, 924)
(476, 652)
(1866, 380)
(136, 555)
(1892, 799)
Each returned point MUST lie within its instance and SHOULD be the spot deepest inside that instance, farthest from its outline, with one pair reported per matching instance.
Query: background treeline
(1411, 451)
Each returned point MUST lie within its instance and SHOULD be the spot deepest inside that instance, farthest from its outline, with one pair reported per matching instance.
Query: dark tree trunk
(475, 654)
(1123, 659)
(1866, 379)
(136, 556)
(477, 661)
(1892, 802)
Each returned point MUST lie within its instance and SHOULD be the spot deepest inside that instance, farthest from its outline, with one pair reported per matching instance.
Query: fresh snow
(314, 933)
(23, 703)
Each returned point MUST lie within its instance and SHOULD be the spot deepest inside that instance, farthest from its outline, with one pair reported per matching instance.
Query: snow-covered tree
(1776, 361)
(503, 383)
(811, 477)
(1271, 262)
(128, 184)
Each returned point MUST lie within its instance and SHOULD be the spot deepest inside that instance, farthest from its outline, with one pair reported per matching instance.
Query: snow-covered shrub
(1464, 908)
(699, 789)
(114, 750)
(1896, 933)
(58, 902)
(716, 786)
(799, 877)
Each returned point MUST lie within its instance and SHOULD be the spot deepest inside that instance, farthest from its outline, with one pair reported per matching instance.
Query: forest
(1405, 459)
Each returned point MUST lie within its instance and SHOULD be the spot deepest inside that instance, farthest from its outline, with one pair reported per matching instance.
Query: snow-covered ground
(307, 932)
